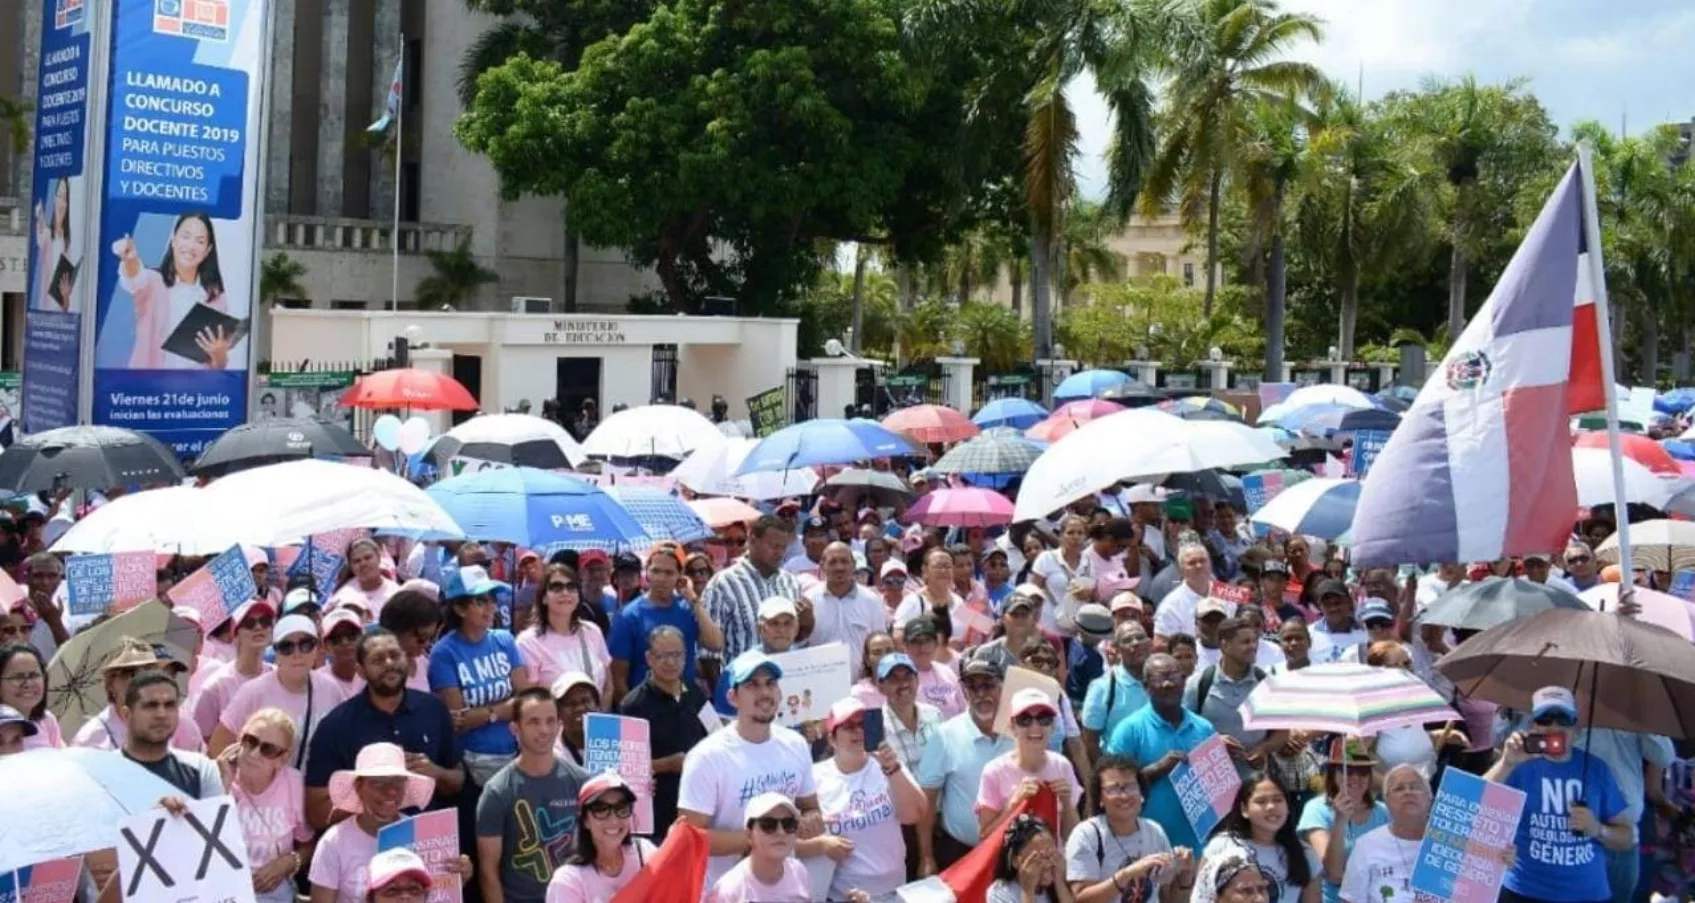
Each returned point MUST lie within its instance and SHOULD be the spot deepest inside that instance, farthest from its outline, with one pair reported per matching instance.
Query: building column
(332, 110)
(277, 155)
(385, 52)
(29, 27)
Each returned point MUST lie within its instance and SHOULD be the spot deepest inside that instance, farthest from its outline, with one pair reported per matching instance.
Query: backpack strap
(1204, 686)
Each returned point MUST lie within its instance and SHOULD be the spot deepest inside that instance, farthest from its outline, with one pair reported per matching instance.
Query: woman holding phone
(187, 275)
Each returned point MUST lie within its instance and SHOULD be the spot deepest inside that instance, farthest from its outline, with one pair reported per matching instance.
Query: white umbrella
(1327, 393)
(178, 519)
(1660, 609)
(712, 471)
(655, 430)
(1593, 468)
(524, 440)
(284, 503)
(1658, 545)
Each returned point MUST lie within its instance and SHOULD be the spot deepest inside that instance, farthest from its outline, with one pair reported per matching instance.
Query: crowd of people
(458, 676)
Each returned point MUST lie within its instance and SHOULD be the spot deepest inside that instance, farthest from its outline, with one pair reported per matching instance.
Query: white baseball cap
(777, 605)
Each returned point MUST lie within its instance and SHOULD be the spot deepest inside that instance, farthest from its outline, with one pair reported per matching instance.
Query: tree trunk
(1212, 241)
(1456, 282)
(903, 286)
(1349, 287)
(1649, 373)
(1041, 308)
(573, 251)
(1015, 273)
(857, 324)
(1274, 300)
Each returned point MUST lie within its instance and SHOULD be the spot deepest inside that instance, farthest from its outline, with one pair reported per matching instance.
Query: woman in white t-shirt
(606, 857)
(1381, 865)
(936, 592)
(1065, 573)
(362, 581)
(865, 797)
(1260, 825)
(1031, 868)
(564, 637)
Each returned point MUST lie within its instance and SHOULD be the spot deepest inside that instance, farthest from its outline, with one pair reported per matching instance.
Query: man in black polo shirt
(150, 708)
(386, 711)
(673, 712)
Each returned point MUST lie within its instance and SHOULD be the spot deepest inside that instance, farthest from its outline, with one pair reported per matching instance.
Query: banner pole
(1604, 329)
(399, 148)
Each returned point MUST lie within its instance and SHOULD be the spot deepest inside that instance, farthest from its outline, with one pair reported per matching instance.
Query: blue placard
(1683, 585)
(325, 567)
(1473, 826)
(1368, 444)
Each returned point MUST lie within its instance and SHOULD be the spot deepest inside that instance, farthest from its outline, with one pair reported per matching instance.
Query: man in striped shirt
(733, 594)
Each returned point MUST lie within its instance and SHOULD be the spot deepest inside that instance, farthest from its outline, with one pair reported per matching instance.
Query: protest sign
(1473, 825)
(458, 465)
(1206, 783)
(975, 623)
(768, 412)
(1273, 393)
(95, 583)
(1020, 678)
(1368, 444)
(323, 565)
(434, 836)
(53, 881)
(1683, 585)
(1231, 595)
(198, 857)
(813, 679)
(217, 588)
(616, 743)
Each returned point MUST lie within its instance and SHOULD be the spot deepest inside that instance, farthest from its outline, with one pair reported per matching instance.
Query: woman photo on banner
(188, 274)
(55, 258)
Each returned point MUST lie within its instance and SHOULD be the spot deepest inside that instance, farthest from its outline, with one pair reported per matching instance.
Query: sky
(1629, 61)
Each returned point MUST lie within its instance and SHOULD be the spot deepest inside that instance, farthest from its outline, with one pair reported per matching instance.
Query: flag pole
(399, 147)
(1604, 330)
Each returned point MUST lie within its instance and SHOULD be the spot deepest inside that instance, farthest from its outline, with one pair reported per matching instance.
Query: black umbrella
(1496, 600)
(883, 488)
(87, 457)
(273, 442)
(1135, 395)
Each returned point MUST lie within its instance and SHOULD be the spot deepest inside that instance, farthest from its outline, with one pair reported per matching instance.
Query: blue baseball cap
(893, 660)
(472, 580)
(750, 663)
(1375, 609)
(1553, 700)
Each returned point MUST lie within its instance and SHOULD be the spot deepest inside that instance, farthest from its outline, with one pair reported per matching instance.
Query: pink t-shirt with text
(1003, 775)
(273, 821)
(342, 861)
(738, 885)
(939, 686)
(585, 883)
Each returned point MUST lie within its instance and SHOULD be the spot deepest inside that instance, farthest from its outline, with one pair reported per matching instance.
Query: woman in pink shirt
(606, 857)
(341, 630)
(373, 792)
(938, 685)
(564, 636)
(250, 625)
(362, 581)
(1014, 776)
(770, 873)
(270, 799)
(293, 686)
(23, 686)
(187, 275)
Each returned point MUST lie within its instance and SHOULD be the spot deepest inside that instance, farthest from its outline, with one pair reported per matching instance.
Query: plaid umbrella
(662, 515)
(990, 455)
(1343, 698)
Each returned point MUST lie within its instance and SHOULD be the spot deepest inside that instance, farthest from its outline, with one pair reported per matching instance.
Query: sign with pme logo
(575, 523)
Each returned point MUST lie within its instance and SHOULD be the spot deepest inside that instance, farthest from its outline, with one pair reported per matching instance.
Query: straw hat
(379, 760)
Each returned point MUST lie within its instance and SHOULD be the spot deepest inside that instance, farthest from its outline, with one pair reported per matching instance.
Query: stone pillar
(385, 52)
(435, 360)
(837, 381)
(1385, 375)
(1057, 371)
(332, 111)
(1218, 374)
(960, 371)
(1288, 374)
(1338, 371)
(277, 155)
(23, 169)
(1145, 372)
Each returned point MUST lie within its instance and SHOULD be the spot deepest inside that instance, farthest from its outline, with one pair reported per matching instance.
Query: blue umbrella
(1680, 449)
(1090, 383)
(828, 441)
(1325, 419)
(1318, 507)
(661, 514)
(538, 509)
(1676, 401)
(1018, 413)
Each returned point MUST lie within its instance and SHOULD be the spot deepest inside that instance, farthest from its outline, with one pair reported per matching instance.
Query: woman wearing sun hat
(374, 792)
(606, 857)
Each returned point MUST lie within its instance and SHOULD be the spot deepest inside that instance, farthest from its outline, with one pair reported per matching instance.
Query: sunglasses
(267, 749)
(340, 637)
(290, 647)
(770, 825)
(607, 810)
(699, 572)
(1045, 720)
(261, 623)
(1555, 721)
(1578, 559)
(557, 587)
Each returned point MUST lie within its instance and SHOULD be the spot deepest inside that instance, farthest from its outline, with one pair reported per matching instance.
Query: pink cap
(390, 866)
(1031, 699)
(845, 710)
(339, 617)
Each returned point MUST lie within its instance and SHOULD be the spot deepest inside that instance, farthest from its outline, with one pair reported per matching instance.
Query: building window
(1189, 275)
(409, 192)
(295, 303)
(349, 305)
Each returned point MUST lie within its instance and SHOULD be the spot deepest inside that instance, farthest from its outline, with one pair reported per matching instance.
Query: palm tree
(1272, 145)
(1085, 254)
(279, 277)
(457, 277)
(1227, 58)
(16, 119)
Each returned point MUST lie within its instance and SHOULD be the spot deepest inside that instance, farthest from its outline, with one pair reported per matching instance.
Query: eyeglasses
(557, 587)
(667, 656)
(981, 686)
(1378, 624)
(609, 810)
(267, 749)
(1578, 559)
(304, 646)
(769, 825)
(1555, 721)
(342, 637)
(28, 677)
(1120, 790)
(1021, 613)
(257, 623)
(1045, 720)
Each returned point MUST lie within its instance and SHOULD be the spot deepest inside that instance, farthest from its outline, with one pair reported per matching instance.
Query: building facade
(1148, 247)
(329, 193)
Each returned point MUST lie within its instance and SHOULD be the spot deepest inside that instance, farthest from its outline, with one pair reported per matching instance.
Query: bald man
(842, 610)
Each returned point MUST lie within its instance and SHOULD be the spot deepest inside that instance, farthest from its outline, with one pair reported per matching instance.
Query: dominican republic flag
(1480, 467)
(391, 104)
(968, 880)
(676, 872)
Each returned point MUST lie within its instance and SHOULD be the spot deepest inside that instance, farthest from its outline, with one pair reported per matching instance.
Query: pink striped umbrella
(931, 423)
(967, 507)
(1071, 416)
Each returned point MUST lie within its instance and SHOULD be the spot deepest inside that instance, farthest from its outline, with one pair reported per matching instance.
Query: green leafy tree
(456, 279)
(1084, 248)
(992, 334)
(279, 277)
(17, 116)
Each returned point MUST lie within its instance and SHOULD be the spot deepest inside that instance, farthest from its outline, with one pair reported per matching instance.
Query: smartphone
(873, 729)
(1545, 744)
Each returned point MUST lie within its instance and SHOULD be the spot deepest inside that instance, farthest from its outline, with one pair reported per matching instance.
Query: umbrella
(1343, 698)
(1327, 393)
(1593, 469)
(538, 509)
(1647, 673)
(76, 688)
(1320, 507)
(968, 507)
(931, 423)
(67, 802)
(1205, 484)
(409, 388)
(720, 513)
(1202, 407)
(653, 431)
(1681, 450)
(1328, 418)
(1658, 545)
(1640, 449)
(1134, 395)
(989, 455)
(1019, 413)
(283, 503)
(1089, 383)
(883, 488)
(522, 440)
(712, 471)
(661, 514)
(275, 441)
(1660, 609)
(1495, 600)
(1069, 417)
(826, 441)
(87, 457)
(1676, 401)
(179, 519)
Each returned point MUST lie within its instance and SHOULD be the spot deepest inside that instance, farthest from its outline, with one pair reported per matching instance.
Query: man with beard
(387, 711)
(151, 709)
(951, 769)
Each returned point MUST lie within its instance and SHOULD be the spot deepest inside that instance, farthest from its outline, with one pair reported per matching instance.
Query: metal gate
(803, 393)
(664, 374)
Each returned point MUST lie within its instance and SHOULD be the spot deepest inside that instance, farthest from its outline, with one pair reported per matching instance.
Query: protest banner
(1683, 585)
(1231, 595)
(459, 465)
(768, 411)
(217, 588)
(1206, 783)
(94, 583)
(975, 623)
(53, 881)
(1019, 678)
(198, 857)
(1273, 393)
(1368, 444)
(616, 743)
(1473, 825)
(434, 836)
(813, 679)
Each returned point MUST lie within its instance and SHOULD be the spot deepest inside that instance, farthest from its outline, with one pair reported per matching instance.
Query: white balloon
(414, 435)
(386, 430)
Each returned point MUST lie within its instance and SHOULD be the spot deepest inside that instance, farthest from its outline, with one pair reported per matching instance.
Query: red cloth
(676, 872)
(970, 877)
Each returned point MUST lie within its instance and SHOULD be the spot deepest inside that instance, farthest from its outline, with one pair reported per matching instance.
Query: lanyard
(305, 726)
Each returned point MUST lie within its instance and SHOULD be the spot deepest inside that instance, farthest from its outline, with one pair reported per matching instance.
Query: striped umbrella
(1343, 698)
(1321, 507)
(1069, 417)
(661, 514)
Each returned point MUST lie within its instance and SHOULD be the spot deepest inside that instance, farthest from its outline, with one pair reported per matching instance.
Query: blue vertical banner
(1368, 444)
(61, 234)
(179, 206)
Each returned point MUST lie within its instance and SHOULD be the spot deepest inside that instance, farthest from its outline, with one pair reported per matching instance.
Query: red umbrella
(1069, 417)
(409, 388)
(1641, 449)
(931, 423)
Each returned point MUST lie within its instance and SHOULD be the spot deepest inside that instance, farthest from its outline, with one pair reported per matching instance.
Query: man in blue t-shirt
(1573, 808)
(1162, 734)
(662, 604)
